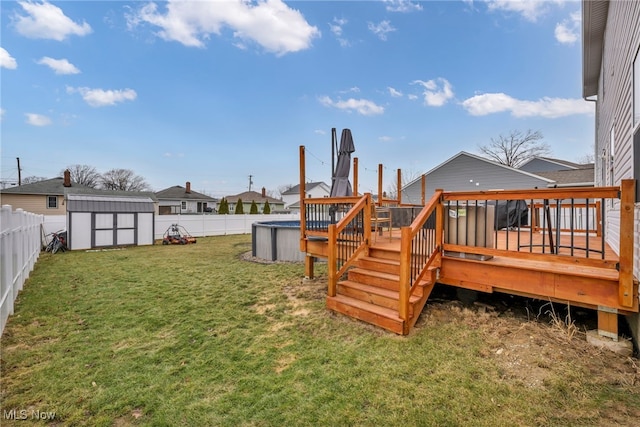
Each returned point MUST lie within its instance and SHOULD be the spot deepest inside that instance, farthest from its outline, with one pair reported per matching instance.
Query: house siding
(542, 165)
(614, 110)
(463, 172)
(35, 203)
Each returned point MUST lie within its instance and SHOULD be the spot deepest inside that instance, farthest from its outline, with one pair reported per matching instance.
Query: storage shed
(97, 221)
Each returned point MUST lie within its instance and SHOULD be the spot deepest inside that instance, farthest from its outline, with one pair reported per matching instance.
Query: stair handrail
(355, 229)
(415, 257)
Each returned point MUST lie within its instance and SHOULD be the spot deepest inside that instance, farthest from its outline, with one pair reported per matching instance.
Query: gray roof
(116, 204)
(177, 192)
(594, 21)
(561, 162)
(55, 187)
(307, 186)
(253, 196)
(584, 177)
(48, 187)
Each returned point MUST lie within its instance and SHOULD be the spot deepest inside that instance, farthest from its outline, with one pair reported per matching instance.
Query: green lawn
(196, 336)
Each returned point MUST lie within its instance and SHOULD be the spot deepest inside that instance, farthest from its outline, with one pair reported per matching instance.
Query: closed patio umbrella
(340, 185)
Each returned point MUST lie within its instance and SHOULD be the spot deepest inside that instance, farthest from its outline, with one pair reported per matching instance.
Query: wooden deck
(386, 278)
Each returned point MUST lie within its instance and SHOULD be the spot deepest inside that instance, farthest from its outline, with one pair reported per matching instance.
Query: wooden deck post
(379, 184)
(608, 323)
(424, 188)
(399, 187)
(405, 268)
(627, 199)
(303, 225)
(355, 176)
(309, 262)
(332, 261)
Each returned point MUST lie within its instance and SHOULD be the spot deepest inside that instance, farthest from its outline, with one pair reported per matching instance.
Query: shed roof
(115, 204)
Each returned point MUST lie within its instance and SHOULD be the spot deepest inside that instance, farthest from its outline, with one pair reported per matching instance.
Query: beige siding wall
(33, 203)
(615, 108)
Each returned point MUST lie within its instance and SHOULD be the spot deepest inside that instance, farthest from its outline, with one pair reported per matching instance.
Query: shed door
(114, 229)
(103, 230)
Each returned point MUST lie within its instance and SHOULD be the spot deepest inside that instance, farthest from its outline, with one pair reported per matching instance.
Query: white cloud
(354, 89)
(269, 23)
(568, 31)
(60, 66)
(530, 10)
(46, 21)
(436, 92)
(6, 60)
(336, 28)
(412, 97)
(394, 93)
(551, 108)
(37, 119)
(101, 97)
(2, 111)
(381, 30)
(402, 6)
(361, 106)
(385, 138)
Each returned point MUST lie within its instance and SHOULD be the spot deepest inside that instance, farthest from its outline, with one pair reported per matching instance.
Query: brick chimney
(67, 178)
(188, 190)
(264, 193)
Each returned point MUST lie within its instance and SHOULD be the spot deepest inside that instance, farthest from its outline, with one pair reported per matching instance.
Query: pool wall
(276, 241)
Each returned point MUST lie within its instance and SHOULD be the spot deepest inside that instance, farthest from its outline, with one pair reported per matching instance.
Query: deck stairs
(370, 292)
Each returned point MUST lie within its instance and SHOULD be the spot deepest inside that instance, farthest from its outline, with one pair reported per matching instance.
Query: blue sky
(213, 92)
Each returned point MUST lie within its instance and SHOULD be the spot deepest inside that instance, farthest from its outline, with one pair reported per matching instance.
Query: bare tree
(406, 178)
(32, 179)
(84, 175)
(516, 148)
(123, 179)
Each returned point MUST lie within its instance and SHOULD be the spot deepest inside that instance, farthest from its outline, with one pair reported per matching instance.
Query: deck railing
(420, 248)
(561, 222)
(346, 224)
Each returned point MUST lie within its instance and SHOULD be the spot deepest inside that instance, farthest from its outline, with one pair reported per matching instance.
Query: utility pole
(250, 182)
(19, 172)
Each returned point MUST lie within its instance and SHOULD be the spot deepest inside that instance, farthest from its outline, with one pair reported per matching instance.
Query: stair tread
(362, 305)
(380, 274)
(388, 293)
(387, 261)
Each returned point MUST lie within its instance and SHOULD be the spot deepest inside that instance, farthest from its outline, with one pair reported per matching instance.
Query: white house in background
(291, 197)
(611, 78)
(182, 200)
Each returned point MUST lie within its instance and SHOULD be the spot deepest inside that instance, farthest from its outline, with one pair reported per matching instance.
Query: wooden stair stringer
(370, 293)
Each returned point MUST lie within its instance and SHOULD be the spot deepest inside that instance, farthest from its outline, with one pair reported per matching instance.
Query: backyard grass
(196, 335)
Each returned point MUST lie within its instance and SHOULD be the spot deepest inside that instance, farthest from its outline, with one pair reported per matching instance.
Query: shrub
(267, 209)
(253, 210)
(223, 209)
(239, 207)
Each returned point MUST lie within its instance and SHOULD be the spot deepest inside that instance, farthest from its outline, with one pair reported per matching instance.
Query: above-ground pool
(276, 240)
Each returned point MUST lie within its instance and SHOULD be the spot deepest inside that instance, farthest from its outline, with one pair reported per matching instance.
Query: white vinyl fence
(20, 246)
(216, 225)
(196, 225)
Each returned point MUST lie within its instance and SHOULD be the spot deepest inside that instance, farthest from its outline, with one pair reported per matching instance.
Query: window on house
(184, 205)
(52, 202)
